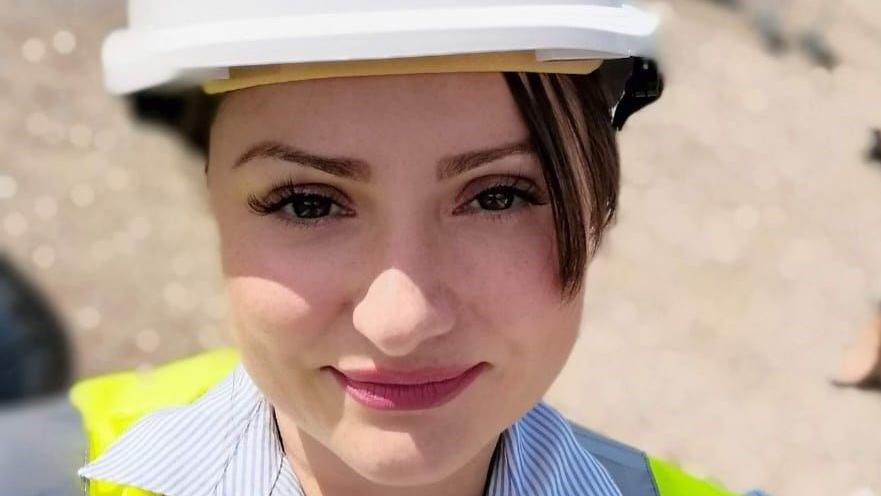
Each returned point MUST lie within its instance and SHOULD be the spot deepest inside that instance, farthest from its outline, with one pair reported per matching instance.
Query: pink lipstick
(414, 390)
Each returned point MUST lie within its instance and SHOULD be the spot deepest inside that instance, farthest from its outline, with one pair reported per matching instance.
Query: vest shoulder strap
(638, 474)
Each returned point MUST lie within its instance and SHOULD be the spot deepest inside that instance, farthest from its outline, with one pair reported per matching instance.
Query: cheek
(510, 287)
(508, 272)
(280, 293)
(266, 311)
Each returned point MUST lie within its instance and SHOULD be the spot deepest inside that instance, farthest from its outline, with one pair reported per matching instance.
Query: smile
(382, 390)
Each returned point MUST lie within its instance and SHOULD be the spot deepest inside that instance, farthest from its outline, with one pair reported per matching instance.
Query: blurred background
(745, 260)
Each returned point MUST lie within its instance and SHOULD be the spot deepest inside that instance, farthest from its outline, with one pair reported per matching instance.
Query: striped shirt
(226, 444)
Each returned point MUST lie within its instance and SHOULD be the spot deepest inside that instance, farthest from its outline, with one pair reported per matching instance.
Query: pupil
(311, 206)
(496, 200)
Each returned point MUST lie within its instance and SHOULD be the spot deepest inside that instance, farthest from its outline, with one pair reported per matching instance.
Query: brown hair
(569, 118)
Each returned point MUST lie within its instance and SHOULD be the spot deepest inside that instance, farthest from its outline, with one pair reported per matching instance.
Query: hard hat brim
(142, 57)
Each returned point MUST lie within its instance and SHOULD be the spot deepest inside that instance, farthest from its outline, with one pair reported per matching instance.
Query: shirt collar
(226, 438)
(540, 455)
(227, 442)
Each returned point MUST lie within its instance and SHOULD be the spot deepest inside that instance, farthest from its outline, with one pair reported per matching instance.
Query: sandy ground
(745, 257)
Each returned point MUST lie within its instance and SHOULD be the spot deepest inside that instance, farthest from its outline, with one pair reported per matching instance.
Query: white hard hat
(189, 41)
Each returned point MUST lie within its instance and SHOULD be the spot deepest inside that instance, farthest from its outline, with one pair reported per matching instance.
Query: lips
(415, 390)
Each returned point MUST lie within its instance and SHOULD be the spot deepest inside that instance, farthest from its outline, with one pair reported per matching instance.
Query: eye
(309, 206)
(497, 198)
(302, 204)
(498, 194)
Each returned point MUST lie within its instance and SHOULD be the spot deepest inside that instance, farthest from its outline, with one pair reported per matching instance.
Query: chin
(397, 459)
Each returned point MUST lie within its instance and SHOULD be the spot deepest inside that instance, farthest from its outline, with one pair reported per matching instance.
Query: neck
(322, 473)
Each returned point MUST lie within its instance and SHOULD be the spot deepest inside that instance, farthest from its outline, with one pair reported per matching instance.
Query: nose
(397, 315)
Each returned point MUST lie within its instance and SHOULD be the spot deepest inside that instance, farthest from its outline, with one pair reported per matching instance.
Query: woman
(404, 244)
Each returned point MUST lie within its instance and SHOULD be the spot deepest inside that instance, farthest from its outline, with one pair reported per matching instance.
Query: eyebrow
(337, 166)
(359, 170)
(459, 164)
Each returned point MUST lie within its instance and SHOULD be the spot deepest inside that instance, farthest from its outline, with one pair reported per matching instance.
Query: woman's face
(386, 230)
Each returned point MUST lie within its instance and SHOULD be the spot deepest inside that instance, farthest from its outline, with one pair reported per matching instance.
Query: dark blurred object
(34, 353)
(818, 50)
(770, 29)
(861, 364)
(874, 153)
(43, 445)
(188, 112)
(731, 4)
(814, 42)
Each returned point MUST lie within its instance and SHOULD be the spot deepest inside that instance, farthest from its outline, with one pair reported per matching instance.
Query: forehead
(434, 113)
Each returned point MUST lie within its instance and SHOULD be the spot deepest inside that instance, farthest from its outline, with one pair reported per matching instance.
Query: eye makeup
(309, 204)
(483, 192)
(303, 204)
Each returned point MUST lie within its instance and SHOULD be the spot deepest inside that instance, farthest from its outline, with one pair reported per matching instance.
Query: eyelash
(283, 194)
(522, 188)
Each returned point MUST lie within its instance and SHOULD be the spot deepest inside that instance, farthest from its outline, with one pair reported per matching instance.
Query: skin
(410, 272)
